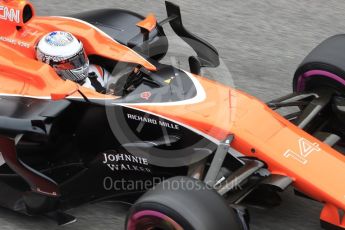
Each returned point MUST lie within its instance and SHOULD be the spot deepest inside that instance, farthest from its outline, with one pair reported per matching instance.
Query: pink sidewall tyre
(182, 203)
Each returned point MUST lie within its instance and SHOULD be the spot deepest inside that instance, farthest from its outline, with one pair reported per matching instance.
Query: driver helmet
(66, 54)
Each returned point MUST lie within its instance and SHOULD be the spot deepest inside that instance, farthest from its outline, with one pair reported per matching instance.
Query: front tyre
(182, 203)
(324, 67)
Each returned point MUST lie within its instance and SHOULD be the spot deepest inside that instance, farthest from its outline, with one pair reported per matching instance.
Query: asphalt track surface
(261, 43)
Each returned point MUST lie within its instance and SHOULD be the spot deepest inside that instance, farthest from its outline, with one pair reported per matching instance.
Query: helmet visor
(75, 68)
(75, 62)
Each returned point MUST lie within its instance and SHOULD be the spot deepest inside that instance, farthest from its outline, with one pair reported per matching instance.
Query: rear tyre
(182, 203)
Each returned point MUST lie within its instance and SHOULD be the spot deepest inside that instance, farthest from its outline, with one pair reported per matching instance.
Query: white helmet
(65, 53)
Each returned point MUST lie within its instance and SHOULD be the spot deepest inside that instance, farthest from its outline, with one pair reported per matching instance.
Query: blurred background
(260, 42)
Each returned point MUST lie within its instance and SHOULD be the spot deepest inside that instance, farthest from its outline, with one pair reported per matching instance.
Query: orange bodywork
(262, 133)
(259, 132)
(149, 23)
(24, 75)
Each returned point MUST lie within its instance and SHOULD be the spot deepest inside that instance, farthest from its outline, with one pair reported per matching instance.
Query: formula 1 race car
(186, 151)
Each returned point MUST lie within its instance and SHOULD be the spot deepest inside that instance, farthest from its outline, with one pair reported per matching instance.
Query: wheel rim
(151, 220)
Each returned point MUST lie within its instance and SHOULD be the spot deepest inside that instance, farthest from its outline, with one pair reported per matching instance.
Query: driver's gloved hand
(96, 84)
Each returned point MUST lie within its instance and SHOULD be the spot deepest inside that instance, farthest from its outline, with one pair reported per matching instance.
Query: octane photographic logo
(122, 120)
(111, 184)
(9, 14)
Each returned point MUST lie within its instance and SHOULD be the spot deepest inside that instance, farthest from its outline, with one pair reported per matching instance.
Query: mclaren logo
(9, 14)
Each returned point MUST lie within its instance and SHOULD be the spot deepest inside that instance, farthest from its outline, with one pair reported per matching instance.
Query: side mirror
(148, 24)
(64, 90)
